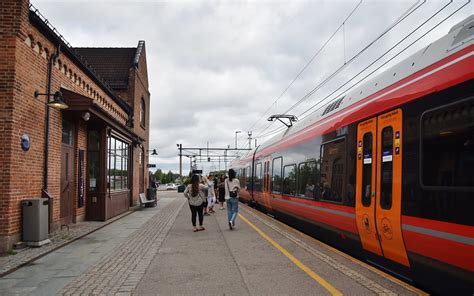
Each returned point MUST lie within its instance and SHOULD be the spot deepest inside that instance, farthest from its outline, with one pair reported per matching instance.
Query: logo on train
(387, 229)
(366, 223)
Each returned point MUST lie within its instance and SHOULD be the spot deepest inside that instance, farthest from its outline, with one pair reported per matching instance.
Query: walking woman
(221, 191)
(232, 188)
(194, 192)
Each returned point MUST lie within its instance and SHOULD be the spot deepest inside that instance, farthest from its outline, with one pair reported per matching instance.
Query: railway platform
(154, 251)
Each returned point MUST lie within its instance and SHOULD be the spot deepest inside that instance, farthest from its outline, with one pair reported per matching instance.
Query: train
(386, 171)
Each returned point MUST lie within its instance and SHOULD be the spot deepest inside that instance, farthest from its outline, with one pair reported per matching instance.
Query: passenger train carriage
(385, 172)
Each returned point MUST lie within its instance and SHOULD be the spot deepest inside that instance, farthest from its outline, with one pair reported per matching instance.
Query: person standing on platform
(203, 182)
(211, 194)
(232, 188)
(194, 192)
(221, 189)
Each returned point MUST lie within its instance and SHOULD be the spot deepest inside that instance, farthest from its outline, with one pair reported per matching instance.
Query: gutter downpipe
(45, 193)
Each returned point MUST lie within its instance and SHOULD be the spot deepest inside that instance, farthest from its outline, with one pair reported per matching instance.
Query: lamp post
(56, 103)
(250, 139)
(236, 132)
(180, 147)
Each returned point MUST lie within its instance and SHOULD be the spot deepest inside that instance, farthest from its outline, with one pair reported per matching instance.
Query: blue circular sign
(25, 142)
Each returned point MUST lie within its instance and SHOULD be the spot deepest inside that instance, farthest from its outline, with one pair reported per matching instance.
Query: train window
(447, 147)
(258, 177)
(333, 156)
(276, 175)
(367, 169)
(386, 168)
(289, 179)
(307, 180)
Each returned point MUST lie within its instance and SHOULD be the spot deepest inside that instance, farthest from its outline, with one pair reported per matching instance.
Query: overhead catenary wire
(306, 65)
(402, 17)
(322, 102)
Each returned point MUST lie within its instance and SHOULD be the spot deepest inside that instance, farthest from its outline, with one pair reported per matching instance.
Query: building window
(118, 159)
(67, 132)
(93, 160)
(142, 113)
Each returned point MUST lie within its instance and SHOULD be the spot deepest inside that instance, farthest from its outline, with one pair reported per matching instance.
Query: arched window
(142, 113)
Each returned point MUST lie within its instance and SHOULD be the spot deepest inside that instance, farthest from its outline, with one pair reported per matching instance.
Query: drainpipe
(51, 61)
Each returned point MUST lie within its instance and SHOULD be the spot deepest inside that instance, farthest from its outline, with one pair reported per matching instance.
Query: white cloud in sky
(214, 67)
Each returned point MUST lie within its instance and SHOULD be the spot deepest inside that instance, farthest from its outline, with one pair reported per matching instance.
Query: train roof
(459, 37)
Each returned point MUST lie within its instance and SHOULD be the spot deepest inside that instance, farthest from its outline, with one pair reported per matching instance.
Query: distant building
(94, 164)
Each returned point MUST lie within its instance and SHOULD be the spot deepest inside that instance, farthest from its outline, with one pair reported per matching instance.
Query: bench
(147, 202)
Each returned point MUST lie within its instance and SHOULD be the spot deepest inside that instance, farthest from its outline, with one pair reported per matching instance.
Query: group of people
(202, 193)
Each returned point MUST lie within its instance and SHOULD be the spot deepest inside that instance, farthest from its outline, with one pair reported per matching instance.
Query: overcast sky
(216, 67)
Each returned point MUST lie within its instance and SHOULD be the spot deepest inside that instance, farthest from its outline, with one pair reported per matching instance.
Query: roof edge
(53, 35)
(140, 47)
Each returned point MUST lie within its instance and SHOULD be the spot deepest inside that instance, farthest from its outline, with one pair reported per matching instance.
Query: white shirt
(210, 189)
(235, 183)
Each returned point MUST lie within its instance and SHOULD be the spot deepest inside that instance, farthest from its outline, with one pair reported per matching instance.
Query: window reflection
(118, 164)
(276, 175)
(308, 186)
(289, 179)
(332, 170)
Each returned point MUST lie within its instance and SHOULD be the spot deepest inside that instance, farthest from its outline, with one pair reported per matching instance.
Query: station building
(88, 160)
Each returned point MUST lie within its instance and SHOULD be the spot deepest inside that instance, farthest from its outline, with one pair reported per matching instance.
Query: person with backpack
(232, 188)
(194, 192)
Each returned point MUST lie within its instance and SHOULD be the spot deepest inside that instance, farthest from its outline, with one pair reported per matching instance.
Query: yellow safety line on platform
(293, 259)
(349, 257)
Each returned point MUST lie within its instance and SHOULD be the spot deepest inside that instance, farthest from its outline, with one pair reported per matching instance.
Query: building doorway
(142, 168)
(67, 173)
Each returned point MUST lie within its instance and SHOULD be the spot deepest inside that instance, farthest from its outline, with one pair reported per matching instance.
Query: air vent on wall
(333, 106)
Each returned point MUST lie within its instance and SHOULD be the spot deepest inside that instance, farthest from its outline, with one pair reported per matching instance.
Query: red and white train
(385, 172)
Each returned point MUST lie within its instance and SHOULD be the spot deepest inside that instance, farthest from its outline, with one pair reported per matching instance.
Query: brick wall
(24, 54)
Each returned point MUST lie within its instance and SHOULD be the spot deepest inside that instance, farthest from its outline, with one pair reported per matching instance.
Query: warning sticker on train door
(367, 158)
(387, 156)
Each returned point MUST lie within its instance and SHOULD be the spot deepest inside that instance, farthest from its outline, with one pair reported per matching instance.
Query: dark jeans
(196, 210)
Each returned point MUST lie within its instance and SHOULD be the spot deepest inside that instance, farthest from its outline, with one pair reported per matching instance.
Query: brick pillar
(13, 24)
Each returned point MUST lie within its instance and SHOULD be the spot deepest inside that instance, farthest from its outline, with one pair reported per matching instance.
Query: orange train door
(378, 186)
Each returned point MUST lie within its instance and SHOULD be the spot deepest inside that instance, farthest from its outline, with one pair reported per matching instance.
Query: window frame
(272, 181)
(344, 158)
(298, 178)
(258, 177)
(421, 154)
(142, 113)
(124, 164)
(283, 179)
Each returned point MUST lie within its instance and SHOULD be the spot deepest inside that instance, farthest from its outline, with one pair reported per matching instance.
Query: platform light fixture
(57, 101)
(153, 151)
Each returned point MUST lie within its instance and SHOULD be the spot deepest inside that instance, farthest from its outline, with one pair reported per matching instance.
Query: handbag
(196, 200)
(232, 194)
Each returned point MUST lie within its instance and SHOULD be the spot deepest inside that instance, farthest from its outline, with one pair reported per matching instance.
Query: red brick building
(89, 160)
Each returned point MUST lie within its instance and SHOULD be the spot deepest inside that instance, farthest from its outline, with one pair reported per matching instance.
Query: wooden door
(379, 154)
(67, 174)
(141, 167)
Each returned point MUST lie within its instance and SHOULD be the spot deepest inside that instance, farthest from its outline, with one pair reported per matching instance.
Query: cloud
(216, 66)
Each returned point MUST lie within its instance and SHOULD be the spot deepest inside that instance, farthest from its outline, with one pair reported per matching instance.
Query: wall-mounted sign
(151, 165)
(25, 142)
